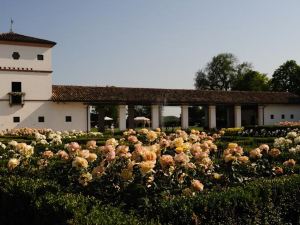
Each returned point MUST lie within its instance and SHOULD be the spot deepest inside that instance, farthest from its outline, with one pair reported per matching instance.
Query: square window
(41, 119)
(40, 57)
(16, 87)
(282, 116)
(292, 116)
(272, 117)
(16, 119)
(68, 118)
(15, 55)
(16, 100)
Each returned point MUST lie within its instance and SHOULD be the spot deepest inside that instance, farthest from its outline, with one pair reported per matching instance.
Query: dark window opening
(272, 117)
(41, 119)
(68, 118)
(16, 86)
(40, 57)
(282, 116)
(16, 119)
(292, 116)
(16, 55)
(16, 99)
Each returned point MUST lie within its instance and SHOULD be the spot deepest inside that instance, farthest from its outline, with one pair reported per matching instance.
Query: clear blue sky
(155, 43)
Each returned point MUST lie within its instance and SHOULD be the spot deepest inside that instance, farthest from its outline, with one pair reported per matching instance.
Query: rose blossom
(290, 163)
(255, 153)
(13, 163)
(146, 167)
(80, 162)
(47, 154)
(197, 185)
(166, 160)
(274, 152)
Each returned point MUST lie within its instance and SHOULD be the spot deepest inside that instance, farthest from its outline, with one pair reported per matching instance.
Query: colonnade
(125, 110)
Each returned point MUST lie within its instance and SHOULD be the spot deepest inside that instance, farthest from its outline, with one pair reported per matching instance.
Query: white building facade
(28, 98)
(26, 87)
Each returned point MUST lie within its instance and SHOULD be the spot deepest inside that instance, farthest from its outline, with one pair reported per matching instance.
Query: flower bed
(260, 131)
(143, 169)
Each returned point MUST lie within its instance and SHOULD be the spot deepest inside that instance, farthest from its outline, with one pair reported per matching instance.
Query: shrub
(34, 201)
(264, 201)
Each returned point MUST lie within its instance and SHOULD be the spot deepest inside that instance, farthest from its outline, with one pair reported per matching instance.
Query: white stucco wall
(28, 57)
(54, 114)
(278, 110)
(37, 86)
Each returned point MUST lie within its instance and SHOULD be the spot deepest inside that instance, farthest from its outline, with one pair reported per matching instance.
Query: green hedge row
(264, 201)
(34, 201)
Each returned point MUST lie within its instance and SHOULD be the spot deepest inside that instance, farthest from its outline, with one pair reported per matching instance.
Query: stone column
(131, 116)
(237, 116)
(155, 116)
(212, 123)
(260, 115)
(101, 115)
(88, 118)
(122, 117)
(184, 117)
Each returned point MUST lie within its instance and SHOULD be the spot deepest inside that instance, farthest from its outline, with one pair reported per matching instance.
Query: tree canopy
(251, 80)
(220, 73)
(286, 78)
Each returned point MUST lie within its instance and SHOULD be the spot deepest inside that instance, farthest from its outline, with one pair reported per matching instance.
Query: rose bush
(143, 167)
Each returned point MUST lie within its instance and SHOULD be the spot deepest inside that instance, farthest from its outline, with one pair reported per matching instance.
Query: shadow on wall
(53, 114)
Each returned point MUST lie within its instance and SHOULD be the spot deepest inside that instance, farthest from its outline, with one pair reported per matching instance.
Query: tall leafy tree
(251, 80)
(220, 73)
(287, 77)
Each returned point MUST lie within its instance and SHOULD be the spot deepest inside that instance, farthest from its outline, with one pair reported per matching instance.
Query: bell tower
(25, 69)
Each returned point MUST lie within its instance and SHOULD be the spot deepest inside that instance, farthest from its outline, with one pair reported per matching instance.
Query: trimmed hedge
(264, 201)
(35, 201)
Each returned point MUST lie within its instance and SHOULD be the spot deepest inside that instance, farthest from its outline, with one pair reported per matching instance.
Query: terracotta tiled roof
(119, 95)
(14, 37)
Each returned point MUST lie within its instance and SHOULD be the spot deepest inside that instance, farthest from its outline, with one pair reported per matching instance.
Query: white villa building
(28, 98)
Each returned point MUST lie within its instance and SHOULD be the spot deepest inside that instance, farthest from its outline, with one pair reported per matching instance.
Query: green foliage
(220, 73)
(287, 77)
(264, 201)
(171, 121)
(251, 81)
(35, 201)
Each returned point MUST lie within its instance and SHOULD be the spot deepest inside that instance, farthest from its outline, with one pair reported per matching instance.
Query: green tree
(142, 110)
(220, 73)
(287, 77)
(251, 80)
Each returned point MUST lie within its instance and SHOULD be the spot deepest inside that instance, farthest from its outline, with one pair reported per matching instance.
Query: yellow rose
(232, 145)
(92, 157)
(229, 158)
(243, 159)
(85, 178)
(178, 142)
(146, 167)
(13, 163)
(80, 162)
(217, 176)
(149, 155)
(151, 135)
(179, 150)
